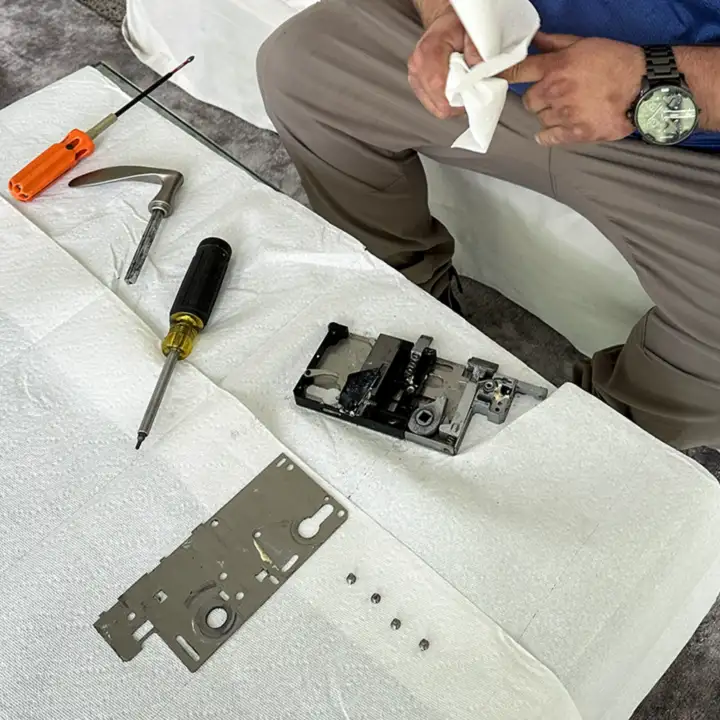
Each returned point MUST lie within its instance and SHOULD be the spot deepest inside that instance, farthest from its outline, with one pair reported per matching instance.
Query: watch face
(666, 115)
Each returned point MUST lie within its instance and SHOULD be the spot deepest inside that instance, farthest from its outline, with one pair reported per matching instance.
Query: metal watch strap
(661, 65)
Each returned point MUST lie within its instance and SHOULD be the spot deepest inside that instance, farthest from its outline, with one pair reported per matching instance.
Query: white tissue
(502, 31)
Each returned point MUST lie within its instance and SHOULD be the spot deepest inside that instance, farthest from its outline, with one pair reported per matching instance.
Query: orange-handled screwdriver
(54, 162)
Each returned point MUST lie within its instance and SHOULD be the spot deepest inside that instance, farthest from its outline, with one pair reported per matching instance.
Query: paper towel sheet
(502, 31)
(588, 541)
(85, 516)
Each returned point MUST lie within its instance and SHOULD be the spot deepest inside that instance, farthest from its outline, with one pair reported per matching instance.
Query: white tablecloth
(587, 541)
(84, 516)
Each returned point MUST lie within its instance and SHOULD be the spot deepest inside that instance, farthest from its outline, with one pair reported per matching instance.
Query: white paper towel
(579, 534)
(502, 31)
(84, 516)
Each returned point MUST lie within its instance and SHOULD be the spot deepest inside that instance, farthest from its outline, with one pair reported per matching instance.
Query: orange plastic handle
(50, 165)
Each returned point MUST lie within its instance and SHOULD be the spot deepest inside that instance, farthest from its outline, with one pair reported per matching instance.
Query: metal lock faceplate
(203, 592)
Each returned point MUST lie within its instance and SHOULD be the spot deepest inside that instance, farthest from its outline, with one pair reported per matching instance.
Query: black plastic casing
(202, 282)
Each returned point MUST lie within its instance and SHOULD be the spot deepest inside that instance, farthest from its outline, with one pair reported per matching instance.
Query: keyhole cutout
(310, 527)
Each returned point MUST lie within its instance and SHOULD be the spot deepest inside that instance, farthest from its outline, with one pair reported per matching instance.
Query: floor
(42, 42)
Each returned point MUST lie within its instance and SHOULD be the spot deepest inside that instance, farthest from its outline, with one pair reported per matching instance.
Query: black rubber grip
(203, 279)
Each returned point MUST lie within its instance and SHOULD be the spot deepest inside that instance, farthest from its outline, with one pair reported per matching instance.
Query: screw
(395, 624)
(375, 598)
(424, 644)
(351, 579)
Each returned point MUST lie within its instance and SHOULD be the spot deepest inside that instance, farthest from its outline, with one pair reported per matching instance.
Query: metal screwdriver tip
(140, 440)
(182, 65)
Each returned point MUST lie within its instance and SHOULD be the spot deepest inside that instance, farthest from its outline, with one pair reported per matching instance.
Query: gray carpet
(42, 42)
(112, 10)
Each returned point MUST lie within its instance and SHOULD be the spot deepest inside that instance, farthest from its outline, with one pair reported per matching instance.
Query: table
(587, 541)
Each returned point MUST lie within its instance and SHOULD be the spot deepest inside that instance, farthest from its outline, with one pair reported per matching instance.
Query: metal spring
(410, 371)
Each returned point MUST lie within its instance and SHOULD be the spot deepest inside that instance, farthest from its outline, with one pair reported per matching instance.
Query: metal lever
(160, 207)
(486, 393)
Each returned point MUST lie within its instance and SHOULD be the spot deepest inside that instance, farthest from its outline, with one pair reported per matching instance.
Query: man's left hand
(583, 87)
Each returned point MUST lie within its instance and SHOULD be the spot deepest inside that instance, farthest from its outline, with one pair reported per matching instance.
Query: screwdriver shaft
(102, 126)
(143, 249)
(156, 398)
(152, 87)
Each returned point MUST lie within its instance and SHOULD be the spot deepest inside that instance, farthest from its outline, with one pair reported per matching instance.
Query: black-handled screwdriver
(189, 314)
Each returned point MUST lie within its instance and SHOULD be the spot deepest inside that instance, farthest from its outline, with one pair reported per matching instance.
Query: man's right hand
(428, 65)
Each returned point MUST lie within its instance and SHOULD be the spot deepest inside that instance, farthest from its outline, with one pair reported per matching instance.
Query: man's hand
(583, 87)
(428, 65)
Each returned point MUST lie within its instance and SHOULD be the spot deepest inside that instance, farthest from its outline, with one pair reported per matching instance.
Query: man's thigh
(513, 154)
(346, 63)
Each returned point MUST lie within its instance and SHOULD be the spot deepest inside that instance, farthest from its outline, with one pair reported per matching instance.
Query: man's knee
(284, 58)
(670, 388)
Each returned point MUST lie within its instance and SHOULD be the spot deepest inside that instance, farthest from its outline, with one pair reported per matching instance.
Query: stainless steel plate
(199, 595)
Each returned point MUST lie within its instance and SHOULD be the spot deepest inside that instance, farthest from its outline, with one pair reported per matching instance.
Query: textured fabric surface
(42, 42)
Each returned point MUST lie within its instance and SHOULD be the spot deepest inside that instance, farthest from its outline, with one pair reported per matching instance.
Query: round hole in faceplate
(223, 576)
(257, 534)
(215, 523)
(239, 596)
(216, 618)
(131, 617)
(341, 513)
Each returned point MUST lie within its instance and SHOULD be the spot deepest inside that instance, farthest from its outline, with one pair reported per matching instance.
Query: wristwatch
(665, 112)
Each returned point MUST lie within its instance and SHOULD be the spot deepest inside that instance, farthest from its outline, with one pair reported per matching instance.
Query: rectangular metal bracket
(404, 389)
(203, 592)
